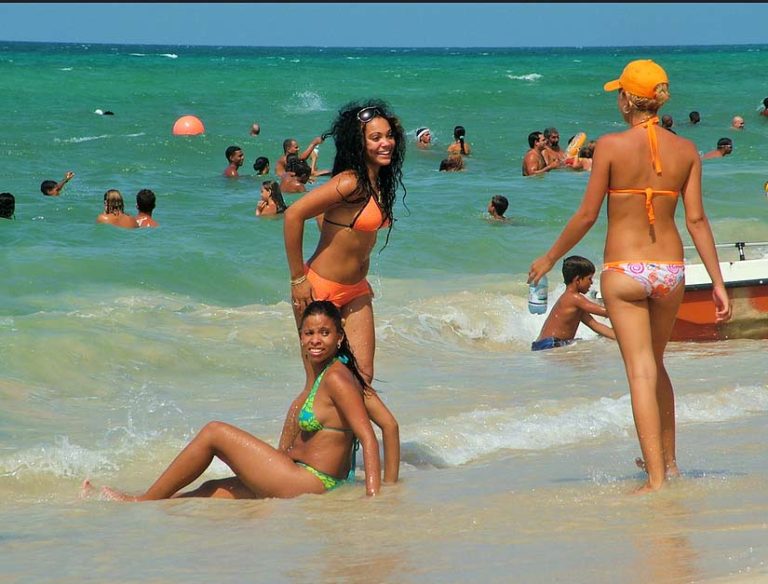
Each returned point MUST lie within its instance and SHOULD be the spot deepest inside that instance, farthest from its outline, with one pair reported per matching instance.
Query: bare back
(624, 162)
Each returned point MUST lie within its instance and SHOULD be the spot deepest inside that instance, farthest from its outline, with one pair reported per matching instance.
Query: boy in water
(497, 207)
(50, 188)
(572, 308)
(236, 157)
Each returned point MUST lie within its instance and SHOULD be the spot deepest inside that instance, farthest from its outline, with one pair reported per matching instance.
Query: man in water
(552, 151)
(236, 157)
(533, 161)
(724, 148)
(667, 122)
(423, 137)
(291, 146)
(737, 123)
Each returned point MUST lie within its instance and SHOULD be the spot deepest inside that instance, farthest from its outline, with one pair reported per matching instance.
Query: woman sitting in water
(317, 448)
(271, 202)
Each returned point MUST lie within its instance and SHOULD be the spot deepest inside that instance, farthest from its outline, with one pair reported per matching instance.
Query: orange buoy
(188, 126)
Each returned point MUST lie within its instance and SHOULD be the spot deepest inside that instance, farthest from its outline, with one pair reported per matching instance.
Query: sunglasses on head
(366, 114)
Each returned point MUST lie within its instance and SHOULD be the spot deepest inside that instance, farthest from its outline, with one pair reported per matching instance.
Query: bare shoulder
(339, 380)
(345, 183)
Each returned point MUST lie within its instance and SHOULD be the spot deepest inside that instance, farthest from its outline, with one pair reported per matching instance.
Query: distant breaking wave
(169, 55)
(468, 436)
(528, 77)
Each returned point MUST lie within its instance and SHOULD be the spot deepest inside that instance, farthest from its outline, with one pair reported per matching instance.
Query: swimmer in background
(552, 152)
(314, 172)
(114, 211)
(7, 206)
(145, 203)
(261, 165)
(572, 308)
(423, 138)
(236, 157)
(272, 202)
(291, 146)
(497, 207)
(533, 161)
(255, 129)
(694, 117)
(454, 163)
(667, 122)
(583, 160)
(296, 176)
(50, 188)
(763, 109)
(459, 145)
(737, 123)
(724, 148)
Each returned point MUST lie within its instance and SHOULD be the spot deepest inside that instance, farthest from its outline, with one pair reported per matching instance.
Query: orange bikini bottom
(339, 294)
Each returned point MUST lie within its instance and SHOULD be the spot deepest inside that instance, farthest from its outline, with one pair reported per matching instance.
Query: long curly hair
(327, 308)
(349, 137)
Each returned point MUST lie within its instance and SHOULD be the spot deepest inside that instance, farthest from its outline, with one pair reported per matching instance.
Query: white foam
(528, 77)
(81, 139)
(466, 437)
(305, 101)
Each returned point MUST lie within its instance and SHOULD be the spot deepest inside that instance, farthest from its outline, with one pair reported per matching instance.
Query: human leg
(262, 469)
(627, 305)
(361, 334)
(662, 314)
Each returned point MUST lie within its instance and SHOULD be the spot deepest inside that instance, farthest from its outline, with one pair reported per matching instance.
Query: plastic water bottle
(537, 296)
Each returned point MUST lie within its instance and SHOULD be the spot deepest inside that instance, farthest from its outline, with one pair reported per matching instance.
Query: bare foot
(114, 495)
(647, 488)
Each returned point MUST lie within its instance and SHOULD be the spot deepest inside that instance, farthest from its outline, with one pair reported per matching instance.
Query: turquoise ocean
(116, 346)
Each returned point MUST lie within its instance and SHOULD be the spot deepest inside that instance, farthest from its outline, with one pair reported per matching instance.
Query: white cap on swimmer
(421, 131)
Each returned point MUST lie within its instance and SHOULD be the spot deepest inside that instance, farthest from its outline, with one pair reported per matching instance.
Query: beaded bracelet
(299, 280)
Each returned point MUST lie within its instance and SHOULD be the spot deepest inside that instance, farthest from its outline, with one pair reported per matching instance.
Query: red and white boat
(746, 281)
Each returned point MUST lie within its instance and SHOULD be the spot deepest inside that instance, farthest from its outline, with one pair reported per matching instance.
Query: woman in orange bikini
(351, 208)
(643, 277)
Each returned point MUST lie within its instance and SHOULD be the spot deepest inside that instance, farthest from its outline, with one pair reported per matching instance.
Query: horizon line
(294, 47)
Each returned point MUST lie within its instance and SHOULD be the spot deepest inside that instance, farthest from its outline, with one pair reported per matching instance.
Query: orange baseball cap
(639, 78)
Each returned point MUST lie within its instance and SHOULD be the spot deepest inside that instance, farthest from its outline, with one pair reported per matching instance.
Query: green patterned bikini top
(307, 420)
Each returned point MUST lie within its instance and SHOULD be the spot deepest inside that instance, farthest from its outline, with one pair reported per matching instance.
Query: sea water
(116, 346)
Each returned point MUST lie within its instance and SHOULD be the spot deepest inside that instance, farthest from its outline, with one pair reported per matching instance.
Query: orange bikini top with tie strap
(370, 217)
(650, 126)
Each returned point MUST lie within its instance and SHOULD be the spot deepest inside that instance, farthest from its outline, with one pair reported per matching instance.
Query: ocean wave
(466, 437)
(499, 317)
(78, 140)
(169, 55)
(528, 77)
(433, 443)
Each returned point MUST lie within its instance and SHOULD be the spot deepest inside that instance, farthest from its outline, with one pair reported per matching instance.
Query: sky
(393, 25)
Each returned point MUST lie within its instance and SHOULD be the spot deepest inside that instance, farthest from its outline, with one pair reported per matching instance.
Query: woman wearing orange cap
(642, 281)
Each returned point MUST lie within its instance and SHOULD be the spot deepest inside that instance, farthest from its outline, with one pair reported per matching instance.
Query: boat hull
(746, 282)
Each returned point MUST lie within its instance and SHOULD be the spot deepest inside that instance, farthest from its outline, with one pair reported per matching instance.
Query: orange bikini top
(368, 218)
(650, 126)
